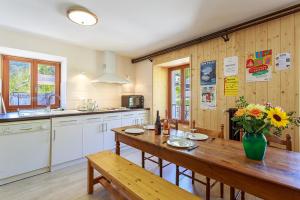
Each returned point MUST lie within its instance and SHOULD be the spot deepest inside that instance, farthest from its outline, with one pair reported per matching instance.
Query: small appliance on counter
(133, 101)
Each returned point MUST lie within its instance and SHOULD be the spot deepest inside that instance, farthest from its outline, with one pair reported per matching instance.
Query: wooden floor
(70, 184)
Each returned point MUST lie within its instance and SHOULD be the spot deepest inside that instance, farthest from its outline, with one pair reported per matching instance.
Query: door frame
(170, 69)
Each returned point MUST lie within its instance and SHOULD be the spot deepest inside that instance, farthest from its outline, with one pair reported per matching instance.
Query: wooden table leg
(160, 163)
(117, 147)
(143, 159)
(90, 178)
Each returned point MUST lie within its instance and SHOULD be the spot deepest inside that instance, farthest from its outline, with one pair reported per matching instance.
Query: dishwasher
(24, 149)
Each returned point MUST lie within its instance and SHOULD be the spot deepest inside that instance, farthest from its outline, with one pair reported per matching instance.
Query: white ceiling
(133, 27)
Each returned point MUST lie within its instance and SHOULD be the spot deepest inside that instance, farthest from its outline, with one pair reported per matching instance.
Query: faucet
(48, 102)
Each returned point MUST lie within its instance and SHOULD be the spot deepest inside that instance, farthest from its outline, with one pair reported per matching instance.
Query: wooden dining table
(276, 177)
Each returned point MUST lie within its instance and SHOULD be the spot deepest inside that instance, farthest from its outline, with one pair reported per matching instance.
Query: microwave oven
(133, 101)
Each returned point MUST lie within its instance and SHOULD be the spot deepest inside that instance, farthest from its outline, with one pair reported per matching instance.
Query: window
(28, 83)
(179, 93)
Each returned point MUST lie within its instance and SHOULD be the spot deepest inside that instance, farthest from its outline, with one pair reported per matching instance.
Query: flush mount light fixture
(82, 16)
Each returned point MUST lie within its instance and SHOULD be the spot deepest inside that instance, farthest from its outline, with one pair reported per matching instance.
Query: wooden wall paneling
(221, 100)
(207, 46)
(214, 56)
(274, 44)
(240, 52)
(200, 58)
(296, 64)
(250, 89)
(194, 85)
(288, 77)
(261, 43)
(231, 51)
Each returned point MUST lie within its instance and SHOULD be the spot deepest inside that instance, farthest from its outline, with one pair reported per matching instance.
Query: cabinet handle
(102, 128)
(68, 121)
(54, 135)
(105, 127)
(91, 119)
(25, 129)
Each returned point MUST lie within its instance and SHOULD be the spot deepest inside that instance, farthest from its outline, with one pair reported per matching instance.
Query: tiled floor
(70, 184)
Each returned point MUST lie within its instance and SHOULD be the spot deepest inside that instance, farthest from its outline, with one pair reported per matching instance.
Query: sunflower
(240, 112)
(278, 117)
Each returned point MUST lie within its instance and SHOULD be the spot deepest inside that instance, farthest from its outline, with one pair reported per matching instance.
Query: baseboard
(23, 176)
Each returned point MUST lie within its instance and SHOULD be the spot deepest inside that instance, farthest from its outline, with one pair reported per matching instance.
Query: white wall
(143, 81)
(79, 60)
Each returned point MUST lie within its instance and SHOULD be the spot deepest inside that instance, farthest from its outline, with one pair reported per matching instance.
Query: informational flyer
(208, 73)
(231, 66)
(208, 97)
(231, 86)
(283, 61)
(258, 66)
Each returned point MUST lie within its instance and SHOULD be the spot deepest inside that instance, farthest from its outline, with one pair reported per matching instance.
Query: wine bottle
(157, 124)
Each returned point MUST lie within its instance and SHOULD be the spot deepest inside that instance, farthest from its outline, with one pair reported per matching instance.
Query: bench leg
(242, 195)
(90, 178)
(207, 188)
(177, 175)
(143, 159)
(160, 163)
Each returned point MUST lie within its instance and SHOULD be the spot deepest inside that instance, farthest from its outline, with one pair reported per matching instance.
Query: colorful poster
(208, 97)
(258, 66)
(283, 61)
(231, 86)
(208, 73)
(231, 66)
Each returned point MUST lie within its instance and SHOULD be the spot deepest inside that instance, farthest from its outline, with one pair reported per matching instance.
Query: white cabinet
(93, 131)
(110, 121)
(24, 148)
(135, 118)
(66, 140)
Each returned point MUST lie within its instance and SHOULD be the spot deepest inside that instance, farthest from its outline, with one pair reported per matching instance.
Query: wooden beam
(223, 33)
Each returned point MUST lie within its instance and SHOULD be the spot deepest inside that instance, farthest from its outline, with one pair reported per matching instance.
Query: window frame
(34, 82)
(182, 84)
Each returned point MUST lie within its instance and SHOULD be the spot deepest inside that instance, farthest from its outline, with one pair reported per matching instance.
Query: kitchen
(77, 75)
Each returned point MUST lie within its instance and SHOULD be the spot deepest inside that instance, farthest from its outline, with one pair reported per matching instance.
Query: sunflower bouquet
(263, 119)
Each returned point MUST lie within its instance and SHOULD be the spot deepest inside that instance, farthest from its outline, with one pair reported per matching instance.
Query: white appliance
(24, 149)
(109, 67)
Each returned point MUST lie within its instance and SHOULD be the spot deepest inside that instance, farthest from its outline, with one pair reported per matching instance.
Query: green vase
(255, 146)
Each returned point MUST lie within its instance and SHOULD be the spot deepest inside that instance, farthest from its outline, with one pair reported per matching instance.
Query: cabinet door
(92, 138)
(109, 136)
(66, 143)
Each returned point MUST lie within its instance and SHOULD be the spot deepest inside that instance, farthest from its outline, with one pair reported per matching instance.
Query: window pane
(19, 83)
(187, 90)
(176, 94)
(46, 84)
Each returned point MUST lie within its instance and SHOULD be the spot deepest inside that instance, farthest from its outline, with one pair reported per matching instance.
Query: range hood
(109, 67)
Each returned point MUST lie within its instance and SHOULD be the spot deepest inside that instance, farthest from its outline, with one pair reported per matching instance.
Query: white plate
(149, 127)
(197, 136)
(134, 131)
(180, 143)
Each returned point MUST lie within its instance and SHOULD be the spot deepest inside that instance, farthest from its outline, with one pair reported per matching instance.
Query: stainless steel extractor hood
(109, 67)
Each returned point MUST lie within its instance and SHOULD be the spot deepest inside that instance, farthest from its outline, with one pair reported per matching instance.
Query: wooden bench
(126, 180)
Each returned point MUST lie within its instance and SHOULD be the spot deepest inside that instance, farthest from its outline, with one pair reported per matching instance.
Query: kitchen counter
(14, 116)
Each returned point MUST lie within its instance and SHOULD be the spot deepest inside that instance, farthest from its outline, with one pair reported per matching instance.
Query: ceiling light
(82, 16)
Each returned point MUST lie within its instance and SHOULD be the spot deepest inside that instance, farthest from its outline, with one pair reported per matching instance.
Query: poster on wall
(231, 66)
(208, 73)
(208, 97)
(258, 66)
(231, 86)
(283, 61)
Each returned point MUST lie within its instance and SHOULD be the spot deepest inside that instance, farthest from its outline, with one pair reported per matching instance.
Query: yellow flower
(278, 117)
(240, 112)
